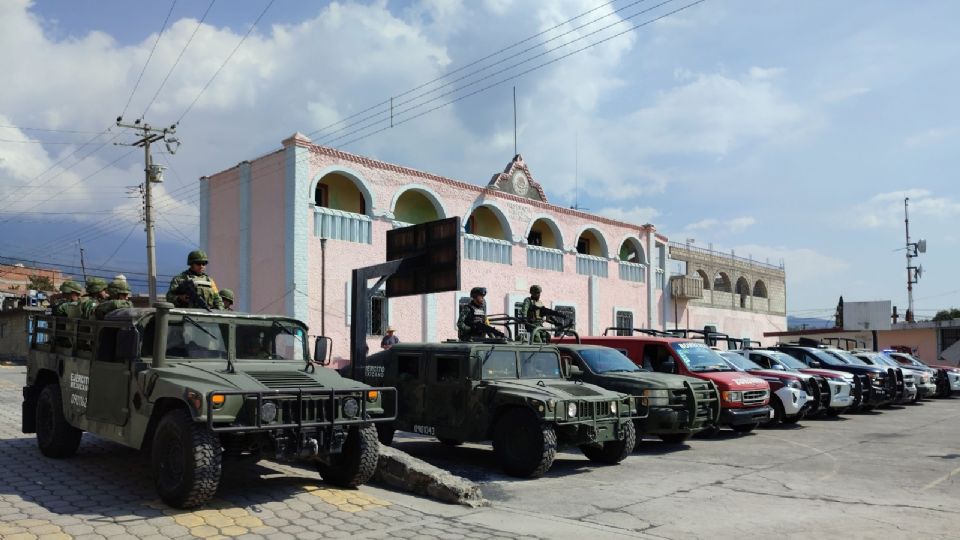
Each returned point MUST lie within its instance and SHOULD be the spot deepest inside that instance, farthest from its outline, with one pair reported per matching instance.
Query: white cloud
(638, 215)
(887, 209)
(721, 227)
(803, 265)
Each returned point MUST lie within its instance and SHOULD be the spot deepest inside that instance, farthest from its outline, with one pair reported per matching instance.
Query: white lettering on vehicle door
(78, 390)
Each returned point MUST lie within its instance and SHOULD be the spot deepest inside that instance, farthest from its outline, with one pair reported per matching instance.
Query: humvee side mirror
(128, 344)
(321, 350)
(574, 371)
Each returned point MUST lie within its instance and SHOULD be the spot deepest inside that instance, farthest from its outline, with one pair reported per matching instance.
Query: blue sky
(783, 130)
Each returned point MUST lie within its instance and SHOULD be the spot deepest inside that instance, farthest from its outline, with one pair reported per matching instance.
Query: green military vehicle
(672, 407)
(194, 387)
(511, 393)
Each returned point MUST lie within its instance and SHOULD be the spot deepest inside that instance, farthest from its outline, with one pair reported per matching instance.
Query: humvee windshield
(277, 341)
(607, 361)
(196, 338)
(189, 338)
(531, 365)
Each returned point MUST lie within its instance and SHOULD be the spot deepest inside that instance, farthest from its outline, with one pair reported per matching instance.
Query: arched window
(340, 192)
(631, 251)
(591, 242)
(487, 221)
(743, 290)
(545, 233)
(721, 282)
(706, 281)
(760, 289)
(417, 206)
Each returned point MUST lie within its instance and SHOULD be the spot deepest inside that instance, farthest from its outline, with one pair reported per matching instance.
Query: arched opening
(340, 192)
(590, 242)
(760, 289)
(721, 282)
(545, 233)
(706, 280)
(416, 206)
(743, 290)
(631, 251)
(487, 221)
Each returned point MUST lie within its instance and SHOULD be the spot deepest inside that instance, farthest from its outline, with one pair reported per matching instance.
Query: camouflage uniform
(206, 287)
(531, 314)
(118, 299)
(227, 296)
(95, 292)
(473, 318)
(66, 307)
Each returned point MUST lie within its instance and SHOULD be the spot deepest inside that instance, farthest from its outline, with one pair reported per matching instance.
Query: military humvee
(193, 387)
(511, 393)
(672, 407)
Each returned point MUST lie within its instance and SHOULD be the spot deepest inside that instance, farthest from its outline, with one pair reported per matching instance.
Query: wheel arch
(161, 407)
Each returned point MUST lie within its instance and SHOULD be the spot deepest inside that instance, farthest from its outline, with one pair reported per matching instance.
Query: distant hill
(809, 323)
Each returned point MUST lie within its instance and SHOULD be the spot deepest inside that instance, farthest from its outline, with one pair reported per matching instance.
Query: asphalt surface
(891, 474)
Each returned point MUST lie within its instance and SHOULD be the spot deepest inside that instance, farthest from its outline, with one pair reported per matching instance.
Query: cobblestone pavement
(105, 492)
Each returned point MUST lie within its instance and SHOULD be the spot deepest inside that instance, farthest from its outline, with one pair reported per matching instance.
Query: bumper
(954, 379)
(592, 433)
(794, 401)
(739, 417)
(841, 395)
(666, 420)
(909, 394)
(926, 390)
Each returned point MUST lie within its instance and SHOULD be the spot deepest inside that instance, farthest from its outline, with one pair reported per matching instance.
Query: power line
(177, 61)
(124, 241)
(50, 130)
(147, 63)
(229, 56)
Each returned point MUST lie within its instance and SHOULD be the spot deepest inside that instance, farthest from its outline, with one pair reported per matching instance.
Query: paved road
(883, 475)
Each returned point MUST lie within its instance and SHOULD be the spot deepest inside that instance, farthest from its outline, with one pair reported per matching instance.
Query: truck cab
(789, 398)
(835, 388)
(948, 377)
(744, 399)
(871, 388)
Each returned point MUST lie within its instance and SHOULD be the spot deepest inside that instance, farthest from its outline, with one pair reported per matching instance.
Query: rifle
(189, 288)
(479, 328)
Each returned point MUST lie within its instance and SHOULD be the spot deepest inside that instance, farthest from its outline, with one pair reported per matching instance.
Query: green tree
(947, 314)
(42, 283)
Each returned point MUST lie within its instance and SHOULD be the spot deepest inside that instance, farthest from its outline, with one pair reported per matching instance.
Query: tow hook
(309, 448)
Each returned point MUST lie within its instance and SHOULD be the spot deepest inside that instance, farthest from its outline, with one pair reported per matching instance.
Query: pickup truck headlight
(656, 397)
(872, 376)
(732, 397)
(571, 410)
(794, 384)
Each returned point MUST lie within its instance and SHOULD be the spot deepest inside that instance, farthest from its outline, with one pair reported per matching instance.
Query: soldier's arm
(462, 323)
(218, 302)
(174, 285)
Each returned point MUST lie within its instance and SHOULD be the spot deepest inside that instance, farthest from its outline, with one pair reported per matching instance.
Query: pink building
(286, 229)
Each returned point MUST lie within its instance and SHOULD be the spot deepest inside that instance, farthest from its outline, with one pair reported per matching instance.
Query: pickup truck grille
(755, 397)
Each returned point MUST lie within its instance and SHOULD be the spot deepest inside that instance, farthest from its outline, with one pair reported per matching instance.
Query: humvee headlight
(551, 404)
(372, 395)
(613, 407)
(217, 400)
(268, 412)
(571, 409)
(350, 408)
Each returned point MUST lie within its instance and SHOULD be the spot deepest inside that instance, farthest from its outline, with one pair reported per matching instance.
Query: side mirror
(128, 344)
(814, 364)
(668, 366)
(321, 350)
(574, 372)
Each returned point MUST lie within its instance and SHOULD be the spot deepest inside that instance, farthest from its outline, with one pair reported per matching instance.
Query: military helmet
(70, 286)
(118, 287)
(482, 291)
(95, 285)
(227, 294)
(534, 289)
(197, 256)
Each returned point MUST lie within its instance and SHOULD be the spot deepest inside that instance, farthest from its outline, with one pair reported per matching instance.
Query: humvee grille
(283, 380)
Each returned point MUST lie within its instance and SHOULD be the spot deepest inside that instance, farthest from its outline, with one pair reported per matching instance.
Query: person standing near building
(205, 286)
(473, 323)
(390, 339)
(70, 294)
(228, 299)
(96, 293)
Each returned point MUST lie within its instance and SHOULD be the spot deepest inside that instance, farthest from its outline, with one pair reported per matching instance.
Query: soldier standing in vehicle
(206, 287)
(532, 313)
(473, 317)
(67, 306)
(119, 291)
(96, 293)
(228, 299)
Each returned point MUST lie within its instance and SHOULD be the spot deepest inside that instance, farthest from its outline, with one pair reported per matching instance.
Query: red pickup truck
(744, 398)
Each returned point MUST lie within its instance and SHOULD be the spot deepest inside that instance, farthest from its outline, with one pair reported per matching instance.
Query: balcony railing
(340, 225)
(633, 272)
(481, 248)
(590, 265)
(545, 258)
(660, 278)
(686, 287)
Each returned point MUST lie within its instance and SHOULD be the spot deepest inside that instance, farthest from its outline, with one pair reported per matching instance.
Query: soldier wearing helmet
(533, 311)
(228, 299)
(206, 287)
(96, 293)
(473, 323)
(119, 292)
(67, 306)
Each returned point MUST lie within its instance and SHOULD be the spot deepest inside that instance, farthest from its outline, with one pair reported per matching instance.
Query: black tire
(794, 419)
(745, 428)
(524, 446)
(613, 452)
(56, 438)
(674, 438)
(186, 460)
(449, 442)
(709, 432)
(385, 431)
(356, 462)
(779, 415)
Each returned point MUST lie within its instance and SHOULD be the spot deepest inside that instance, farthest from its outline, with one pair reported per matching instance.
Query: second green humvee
(510, 393)
(194, 387)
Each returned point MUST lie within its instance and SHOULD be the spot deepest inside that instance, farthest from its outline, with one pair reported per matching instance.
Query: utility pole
(914, 249)
(153, 174)
(83, 267)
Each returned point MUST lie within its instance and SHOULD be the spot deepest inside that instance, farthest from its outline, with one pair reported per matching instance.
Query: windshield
(826, 358)
(739, 361)
(907, 360)
(607, 360)
(699, 357)
(848, 358)
(189, 338)
(271, 341)
(539, 365)
(787, 360)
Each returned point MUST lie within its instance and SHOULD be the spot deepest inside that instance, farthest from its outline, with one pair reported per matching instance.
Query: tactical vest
(206, 288)
(70, 309)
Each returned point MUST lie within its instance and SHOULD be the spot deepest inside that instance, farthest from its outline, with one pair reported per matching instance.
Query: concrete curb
(401, 470)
